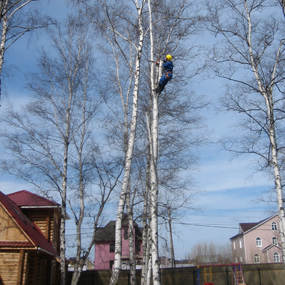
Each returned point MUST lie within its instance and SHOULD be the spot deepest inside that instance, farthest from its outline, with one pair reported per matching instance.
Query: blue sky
(229, 191)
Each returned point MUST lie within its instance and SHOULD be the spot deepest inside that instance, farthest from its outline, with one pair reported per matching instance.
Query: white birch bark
(149, 271)
(129, 154)
(64, 190)
(79, 265)
(153, 165)
(131, 238)
(268, 98)
(145, 234)
(171, 239)
(4, 23)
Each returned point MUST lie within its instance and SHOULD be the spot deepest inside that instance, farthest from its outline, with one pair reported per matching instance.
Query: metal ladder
(237, 274)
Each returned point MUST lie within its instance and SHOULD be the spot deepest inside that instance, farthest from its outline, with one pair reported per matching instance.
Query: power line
(207, 226)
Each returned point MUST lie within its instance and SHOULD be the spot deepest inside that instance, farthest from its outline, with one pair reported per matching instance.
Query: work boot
(159, 88)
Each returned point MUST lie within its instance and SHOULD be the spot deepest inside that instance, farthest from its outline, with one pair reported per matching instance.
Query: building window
(240, 244)
(112, 247)
(126, 233)
(274, 226)
(138, 247)
(258, 242)
(234, 245)
(276, 257)
(240, 259)
(256, 258)
(275, 241)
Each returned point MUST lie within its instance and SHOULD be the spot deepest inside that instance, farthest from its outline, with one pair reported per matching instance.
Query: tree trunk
(145, 234)
(4, 24)
(79, 263)
(62, 221)
(128, 161)
(149, 271)
(131, 239)
(278, 183)
(153, 164)
(268, 97)
(171, 240)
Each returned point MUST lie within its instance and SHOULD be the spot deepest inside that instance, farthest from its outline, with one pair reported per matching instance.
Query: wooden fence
(254, 274)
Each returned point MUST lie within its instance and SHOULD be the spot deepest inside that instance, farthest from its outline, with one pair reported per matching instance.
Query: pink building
(257, 242)
(105, 245)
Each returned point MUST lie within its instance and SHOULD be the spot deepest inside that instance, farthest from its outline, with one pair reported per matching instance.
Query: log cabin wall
(9, 267)
(39, 269)
(43, 218)
(14, 267)
(47, 220)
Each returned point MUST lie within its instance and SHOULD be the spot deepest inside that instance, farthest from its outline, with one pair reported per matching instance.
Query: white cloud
(219, 173)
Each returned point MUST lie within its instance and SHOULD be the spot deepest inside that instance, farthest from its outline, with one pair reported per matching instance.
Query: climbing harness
(167, 74)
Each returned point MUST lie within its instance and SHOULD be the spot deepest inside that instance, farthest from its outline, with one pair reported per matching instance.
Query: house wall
(103, 256)
(43, 219)
(125, 243)
(270, 252)
(39, 269)
(9, 267)
(48, 222)
(238, 249)
(266, 234)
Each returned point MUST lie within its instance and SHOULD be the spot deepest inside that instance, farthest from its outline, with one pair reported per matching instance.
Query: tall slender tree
(167, 25)
(45, 138)
(250, 56)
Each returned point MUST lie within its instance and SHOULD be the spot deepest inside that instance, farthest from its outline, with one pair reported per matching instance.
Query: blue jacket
(168, 66)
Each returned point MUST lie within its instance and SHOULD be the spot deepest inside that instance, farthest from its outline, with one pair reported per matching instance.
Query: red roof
(244, 227)
(15, 244)
(25, 198)
(247, 226)
(35, 236)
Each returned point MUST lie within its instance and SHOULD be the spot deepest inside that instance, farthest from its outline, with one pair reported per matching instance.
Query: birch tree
(250, 55)
(153, 142)
(117, 120)
(166, 30)
(88, 162)
(39, 139)
(104, 177)
(115, 19)
(123, 27)
(128, 160)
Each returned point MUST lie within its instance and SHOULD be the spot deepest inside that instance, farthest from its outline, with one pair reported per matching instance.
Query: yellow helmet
(169, 57)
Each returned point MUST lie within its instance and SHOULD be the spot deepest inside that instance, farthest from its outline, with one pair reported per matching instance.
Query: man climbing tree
(168, 67)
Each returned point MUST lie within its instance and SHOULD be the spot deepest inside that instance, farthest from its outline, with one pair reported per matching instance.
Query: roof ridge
(26, 198)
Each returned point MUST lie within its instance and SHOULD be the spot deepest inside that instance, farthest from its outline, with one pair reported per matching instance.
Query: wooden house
(29, 239)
